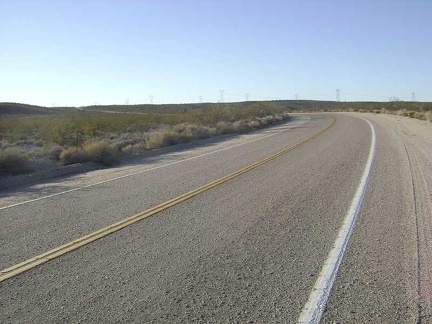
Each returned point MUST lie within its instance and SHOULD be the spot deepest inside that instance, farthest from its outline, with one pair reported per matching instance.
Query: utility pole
(337, 94)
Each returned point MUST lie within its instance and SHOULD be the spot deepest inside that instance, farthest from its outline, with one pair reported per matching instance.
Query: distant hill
(11, 108)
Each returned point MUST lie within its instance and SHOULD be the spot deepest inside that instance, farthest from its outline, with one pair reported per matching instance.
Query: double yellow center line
(73, 245)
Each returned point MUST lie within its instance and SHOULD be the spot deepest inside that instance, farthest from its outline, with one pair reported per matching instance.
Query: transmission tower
(127, 101)
(337, 94)
(151, 99)
(221, 95)
(296, 96)
(200, 99)
(247, 96)
(413, 96)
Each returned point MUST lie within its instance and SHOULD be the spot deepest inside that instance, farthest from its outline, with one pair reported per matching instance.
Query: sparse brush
(135, 148)
(54, 152)
(240, 126)
(429, 116)
(420, 115)
(268, 120)
(189, 132)
(254, 124)
(101, 152)
(73, 155)
(402, 112)
(161, 138)
(224, 128)
(13, 161)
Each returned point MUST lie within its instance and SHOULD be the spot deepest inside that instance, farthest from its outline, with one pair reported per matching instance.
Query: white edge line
(151, 169)
(316, 304)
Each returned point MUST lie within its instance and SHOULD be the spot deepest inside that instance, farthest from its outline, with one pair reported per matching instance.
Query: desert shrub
(136, 148)
(13, 161)
(240, 126)
(429, 116)
(73, 155)
(411, 114)
(54, 152)
(161, 138)
(224, 128)
(39, 143)
(420, 115)
(101, 152)
(402, 112)
(188, 132)
(254, 124)
(268, 120)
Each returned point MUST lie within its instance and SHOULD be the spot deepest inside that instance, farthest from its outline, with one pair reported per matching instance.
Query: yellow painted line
(73, 245)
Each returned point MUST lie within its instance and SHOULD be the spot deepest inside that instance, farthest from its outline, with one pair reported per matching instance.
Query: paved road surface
(248, 250)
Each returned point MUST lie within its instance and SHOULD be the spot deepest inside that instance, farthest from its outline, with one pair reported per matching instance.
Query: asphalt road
(246, 251)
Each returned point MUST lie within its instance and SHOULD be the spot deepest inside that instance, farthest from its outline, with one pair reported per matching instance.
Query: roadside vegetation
(77, 136)
(68, 135)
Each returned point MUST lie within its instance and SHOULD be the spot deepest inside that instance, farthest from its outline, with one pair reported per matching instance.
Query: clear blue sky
(77, 52)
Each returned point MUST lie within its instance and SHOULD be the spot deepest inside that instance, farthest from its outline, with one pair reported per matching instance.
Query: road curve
(247, 250)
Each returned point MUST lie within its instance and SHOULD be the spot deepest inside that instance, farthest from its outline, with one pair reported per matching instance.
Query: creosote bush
(13, 161)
